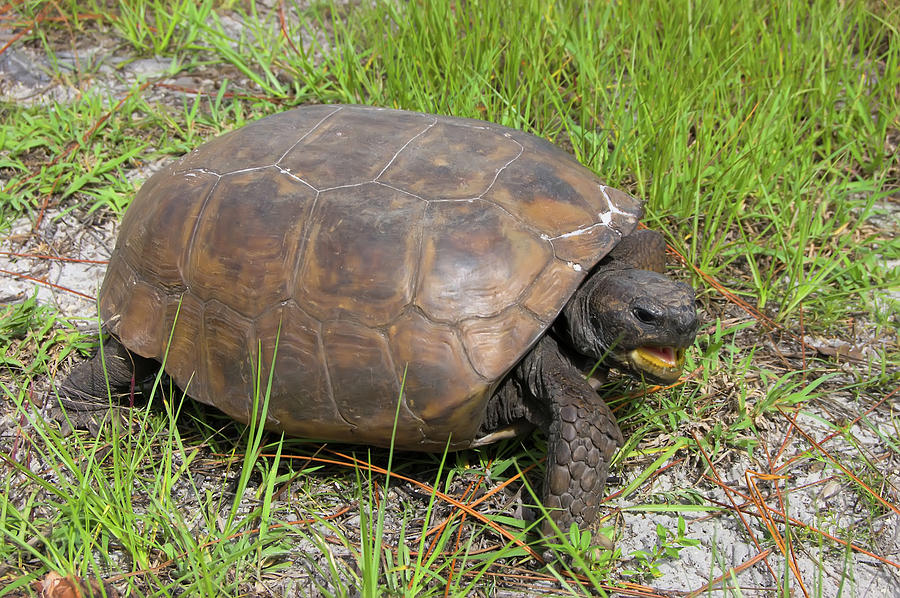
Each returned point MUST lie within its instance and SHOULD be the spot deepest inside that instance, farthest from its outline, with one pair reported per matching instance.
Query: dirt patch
(63, 263)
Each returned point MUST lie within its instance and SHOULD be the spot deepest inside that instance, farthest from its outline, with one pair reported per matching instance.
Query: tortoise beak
(663, 364)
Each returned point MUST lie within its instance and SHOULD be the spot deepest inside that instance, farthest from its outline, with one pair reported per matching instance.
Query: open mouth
(663, 363)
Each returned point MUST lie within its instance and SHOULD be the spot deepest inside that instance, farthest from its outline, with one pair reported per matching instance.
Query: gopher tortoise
(452, 277)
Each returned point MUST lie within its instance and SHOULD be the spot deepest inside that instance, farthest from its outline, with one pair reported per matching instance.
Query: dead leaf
(841, 349)
(55, 585)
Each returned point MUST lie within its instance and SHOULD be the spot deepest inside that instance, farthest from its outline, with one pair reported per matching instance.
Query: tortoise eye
(644, 315)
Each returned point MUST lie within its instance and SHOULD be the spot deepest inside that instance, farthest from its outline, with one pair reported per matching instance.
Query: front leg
(582, 435)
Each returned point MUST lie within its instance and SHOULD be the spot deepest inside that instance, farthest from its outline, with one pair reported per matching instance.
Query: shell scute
(352, 146)
(157, 230)
(452, 161)
(142, 318)
(490, 341)
(558, 279)
(245, 249)
(184, 357)
(533, 190)
(441, 388)
(229, 356)
(361, 253)
(363, 380)
(256, 146)
(476, 260)
(115, 293)
(583, 245)
(298, 340)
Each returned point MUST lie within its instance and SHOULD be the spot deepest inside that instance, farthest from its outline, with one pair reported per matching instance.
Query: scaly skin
(582, 436)
(84, 389)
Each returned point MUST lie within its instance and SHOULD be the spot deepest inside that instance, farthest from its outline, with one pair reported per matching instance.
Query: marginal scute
(558, 279)
(157, 227)
(363, 382)
(452, 161)
(141, 324)
(496, 344)
(184, 361)
(352, 146)
(587, 245)
(298, 342)
(626, 210)
(257, 145)
(115, 292)
(229, 351)
(441, 388)
(244, 251)
(361, 254)
(476, 260)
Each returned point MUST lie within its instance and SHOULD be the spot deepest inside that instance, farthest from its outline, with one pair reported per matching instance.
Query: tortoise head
(638, 321)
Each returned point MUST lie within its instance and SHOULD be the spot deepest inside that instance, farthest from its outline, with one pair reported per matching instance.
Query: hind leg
(85, 394)
(88, 379)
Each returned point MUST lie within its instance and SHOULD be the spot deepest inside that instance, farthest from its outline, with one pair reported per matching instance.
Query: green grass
(764, 137)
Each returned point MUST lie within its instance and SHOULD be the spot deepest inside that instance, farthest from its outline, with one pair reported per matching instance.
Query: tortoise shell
(377, 249)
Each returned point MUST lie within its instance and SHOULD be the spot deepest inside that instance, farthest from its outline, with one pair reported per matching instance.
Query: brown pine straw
(468, 492)
(27, 29)
(841, 429)
(465, 509)
(44, 282)
(733, 571)
(734, 506)
(764, 511)
(796, 523)
(841, 466)
(47, 283)
(282, 22)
